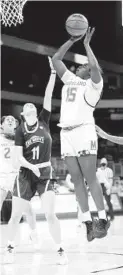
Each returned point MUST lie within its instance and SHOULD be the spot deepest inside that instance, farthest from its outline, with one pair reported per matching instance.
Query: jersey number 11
(35, 151)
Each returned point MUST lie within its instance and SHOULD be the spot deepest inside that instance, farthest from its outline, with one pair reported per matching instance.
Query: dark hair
(2, 119)
(22, 118)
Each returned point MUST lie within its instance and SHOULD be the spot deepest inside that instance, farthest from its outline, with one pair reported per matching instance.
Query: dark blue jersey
(35, 140)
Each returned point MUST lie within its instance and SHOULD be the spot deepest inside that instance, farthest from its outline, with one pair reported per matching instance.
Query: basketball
(76, 24)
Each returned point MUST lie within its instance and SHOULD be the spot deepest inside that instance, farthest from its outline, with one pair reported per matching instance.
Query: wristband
(53, 71)
(72, 38)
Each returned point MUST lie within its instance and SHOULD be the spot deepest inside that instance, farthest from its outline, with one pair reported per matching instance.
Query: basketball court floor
(103, 257)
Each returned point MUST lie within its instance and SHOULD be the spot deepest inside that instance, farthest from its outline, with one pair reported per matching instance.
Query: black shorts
(26, 183)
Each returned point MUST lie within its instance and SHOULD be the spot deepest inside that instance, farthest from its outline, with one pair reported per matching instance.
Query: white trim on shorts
(18, 188)
(43, 164)
(46, 187)
(48, 181)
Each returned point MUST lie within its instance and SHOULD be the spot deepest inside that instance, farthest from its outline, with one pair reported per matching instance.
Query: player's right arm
(95, 84)
(58, 64)
(19, 158)
(115, 139)
(93, 63)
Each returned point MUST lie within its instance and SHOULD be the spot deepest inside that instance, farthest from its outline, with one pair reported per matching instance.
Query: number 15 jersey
(79, 98)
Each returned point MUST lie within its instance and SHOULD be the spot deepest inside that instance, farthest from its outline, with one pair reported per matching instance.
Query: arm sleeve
(67, 76)
(45, 116)
(19, 137)
(93, 92)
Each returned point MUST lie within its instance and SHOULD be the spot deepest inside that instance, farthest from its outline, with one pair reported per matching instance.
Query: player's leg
(79, 184)
(108, 200)
(30, 216)
(16, 214)
(70, 147)
(3, 194)
(31, 220)
(81, 193)
(48, 204)
(13, 225)
(88, 167)
(21, 194)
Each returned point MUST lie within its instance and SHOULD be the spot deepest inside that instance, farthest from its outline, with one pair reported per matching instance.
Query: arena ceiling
(44, 23)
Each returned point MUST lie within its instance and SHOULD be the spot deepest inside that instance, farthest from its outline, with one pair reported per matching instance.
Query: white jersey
(105, 176)
(79, 98)
(6, 155)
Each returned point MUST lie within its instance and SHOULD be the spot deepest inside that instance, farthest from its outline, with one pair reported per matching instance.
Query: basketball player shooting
(33, 152)
(80, 94)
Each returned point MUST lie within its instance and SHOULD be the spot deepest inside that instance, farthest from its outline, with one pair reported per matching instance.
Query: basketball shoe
(9, 254)
(89, 230)
(101, 227)
(62, 257)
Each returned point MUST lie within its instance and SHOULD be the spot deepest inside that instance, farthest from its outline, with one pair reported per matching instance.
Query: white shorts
(79, 141)
(7, 181)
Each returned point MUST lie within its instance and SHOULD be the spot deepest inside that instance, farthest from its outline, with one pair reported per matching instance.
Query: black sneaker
(90, 232)
(100, 228)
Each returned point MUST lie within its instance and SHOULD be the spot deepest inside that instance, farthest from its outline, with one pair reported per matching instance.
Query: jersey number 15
(71, 94)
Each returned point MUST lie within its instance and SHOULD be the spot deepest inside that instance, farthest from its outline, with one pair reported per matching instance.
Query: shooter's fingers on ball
(76, 38)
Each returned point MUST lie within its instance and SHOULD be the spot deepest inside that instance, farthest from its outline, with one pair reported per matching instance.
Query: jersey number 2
(35, 151)
(71, 94)
(7, 153)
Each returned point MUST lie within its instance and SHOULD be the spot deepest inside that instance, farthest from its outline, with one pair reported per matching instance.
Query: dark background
(44, 23)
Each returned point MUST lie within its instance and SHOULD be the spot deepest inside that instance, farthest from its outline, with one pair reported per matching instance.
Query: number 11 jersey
(35, 140)
(79, 99)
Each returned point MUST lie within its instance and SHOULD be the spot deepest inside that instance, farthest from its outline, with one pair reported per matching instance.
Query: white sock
(102, 215)
(86, 216)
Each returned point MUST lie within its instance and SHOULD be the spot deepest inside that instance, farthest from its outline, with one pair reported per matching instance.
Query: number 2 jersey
(79, 98)
(35, 140)
(6, 155)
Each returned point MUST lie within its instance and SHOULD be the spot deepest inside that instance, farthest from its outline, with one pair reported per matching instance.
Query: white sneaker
(35, 241)
(61, 257)
(9, 255)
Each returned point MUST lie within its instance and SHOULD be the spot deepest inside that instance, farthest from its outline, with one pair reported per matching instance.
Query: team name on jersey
(77, 83)
(6, 144)
(34, 139)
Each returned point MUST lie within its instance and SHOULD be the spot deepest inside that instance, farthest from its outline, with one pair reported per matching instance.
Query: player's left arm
(50, 87)
(58, 64)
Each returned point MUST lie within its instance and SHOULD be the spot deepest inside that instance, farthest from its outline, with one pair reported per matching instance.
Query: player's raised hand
(76, 38)
(51, 64)
(88, 35)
